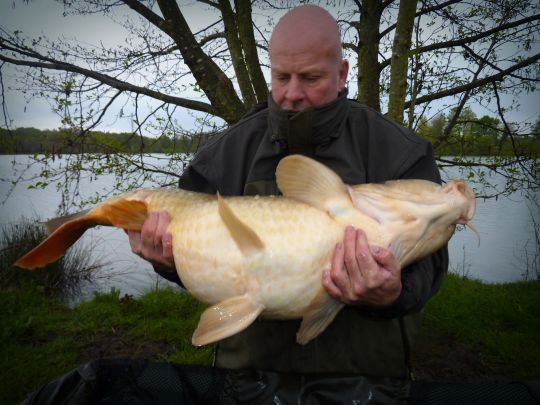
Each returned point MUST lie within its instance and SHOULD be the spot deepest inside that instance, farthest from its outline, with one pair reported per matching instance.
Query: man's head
(307, 66)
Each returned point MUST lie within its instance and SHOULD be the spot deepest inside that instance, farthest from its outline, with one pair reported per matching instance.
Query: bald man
(308, 113)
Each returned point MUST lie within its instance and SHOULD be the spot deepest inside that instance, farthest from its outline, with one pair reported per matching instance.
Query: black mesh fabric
(124, 381)
(478, 394)
(134, 382)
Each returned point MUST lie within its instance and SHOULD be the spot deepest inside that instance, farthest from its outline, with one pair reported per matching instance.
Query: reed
(63, 279)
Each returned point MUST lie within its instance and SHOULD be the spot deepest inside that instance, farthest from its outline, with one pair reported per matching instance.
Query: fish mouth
(468, 199)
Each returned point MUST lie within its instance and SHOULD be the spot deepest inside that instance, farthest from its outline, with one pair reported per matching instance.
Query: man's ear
(343, 72)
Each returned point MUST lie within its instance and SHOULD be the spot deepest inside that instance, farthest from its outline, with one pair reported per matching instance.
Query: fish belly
(284, 276)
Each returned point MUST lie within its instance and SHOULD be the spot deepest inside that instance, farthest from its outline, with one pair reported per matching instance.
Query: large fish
(251, 256)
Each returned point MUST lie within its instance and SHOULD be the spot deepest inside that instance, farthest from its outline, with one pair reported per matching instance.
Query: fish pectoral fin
(308, 181)
(226, 318)
(320, 313)
(123, 213)
(245, 238)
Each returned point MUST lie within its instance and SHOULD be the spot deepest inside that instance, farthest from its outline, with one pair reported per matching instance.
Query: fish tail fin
(67, 230)
(52, 248)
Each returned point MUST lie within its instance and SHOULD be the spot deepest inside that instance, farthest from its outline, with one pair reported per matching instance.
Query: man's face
(308, 77)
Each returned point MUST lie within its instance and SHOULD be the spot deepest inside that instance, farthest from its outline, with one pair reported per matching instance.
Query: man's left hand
(362, 274)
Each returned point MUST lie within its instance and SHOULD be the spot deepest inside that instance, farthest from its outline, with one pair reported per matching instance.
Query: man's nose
(295, 91)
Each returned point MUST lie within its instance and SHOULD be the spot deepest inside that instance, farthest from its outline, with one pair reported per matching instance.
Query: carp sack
(251, 256)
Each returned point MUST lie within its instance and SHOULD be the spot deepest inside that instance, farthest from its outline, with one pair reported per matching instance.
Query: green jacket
(361, 146)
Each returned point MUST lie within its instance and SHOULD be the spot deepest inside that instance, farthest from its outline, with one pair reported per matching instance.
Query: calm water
(127, 272)
(505, 226)
(507, 236)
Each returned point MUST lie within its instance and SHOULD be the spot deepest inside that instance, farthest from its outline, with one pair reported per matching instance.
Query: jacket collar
(301, 132)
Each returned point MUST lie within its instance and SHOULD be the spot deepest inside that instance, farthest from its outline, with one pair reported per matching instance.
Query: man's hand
(362, 274)
(153, 242)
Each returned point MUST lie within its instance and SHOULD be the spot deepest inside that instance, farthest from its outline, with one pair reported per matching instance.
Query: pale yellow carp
(251, 256)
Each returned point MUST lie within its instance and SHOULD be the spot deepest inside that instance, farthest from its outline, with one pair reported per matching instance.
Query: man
(308, 113)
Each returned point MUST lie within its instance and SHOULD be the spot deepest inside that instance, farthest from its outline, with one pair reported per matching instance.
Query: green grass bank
(469, 328)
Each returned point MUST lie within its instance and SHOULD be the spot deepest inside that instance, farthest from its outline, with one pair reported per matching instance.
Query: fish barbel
(251, 256)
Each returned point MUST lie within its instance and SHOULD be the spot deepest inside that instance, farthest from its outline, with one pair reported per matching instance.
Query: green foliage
(484, 136)
(65, 141)
(499, 320)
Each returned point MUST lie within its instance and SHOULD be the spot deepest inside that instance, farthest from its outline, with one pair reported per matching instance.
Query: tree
(414, 56)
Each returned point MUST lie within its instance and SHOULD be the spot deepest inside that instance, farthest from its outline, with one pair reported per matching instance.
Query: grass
(33, 349)
(42, 338)
(500, 321)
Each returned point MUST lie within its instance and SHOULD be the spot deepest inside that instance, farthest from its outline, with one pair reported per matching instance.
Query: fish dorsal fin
(306, 180)
(246, 238)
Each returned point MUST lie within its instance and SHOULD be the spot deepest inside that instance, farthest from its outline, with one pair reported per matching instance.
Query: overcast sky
(44, 17)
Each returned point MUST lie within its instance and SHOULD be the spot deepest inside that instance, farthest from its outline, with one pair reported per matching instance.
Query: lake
(507, 240)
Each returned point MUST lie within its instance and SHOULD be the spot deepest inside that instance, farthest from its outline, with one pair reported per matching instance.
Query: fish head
(463, 197)
(417, 217)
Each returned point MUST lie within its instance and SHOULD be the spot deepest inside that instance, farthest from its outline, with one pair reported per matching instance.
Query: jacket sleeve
(422, 279)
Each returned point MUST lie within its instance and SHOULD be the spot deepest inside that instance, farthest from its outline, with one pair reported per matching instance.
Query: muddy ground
(436, 358)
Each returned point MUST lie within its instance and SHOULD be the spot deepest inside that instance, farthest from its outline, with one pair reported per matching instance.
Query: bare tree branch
(111, 81)
(469, 39)
(421, 12)
(476, 83)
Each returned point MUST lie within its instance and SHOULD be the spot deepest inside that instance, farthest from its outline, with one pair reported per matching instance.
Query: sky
(44, 17)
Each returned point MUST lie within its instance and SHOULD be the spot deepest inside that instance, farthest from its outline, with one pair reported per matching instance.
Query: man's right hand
(153, 242)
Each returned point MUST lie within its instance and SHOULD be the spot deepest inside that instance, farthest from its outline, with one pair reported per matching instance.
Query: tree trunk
(215, 84)
(237, 55)
(368, 51)
(400, 60)
(249, 45)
